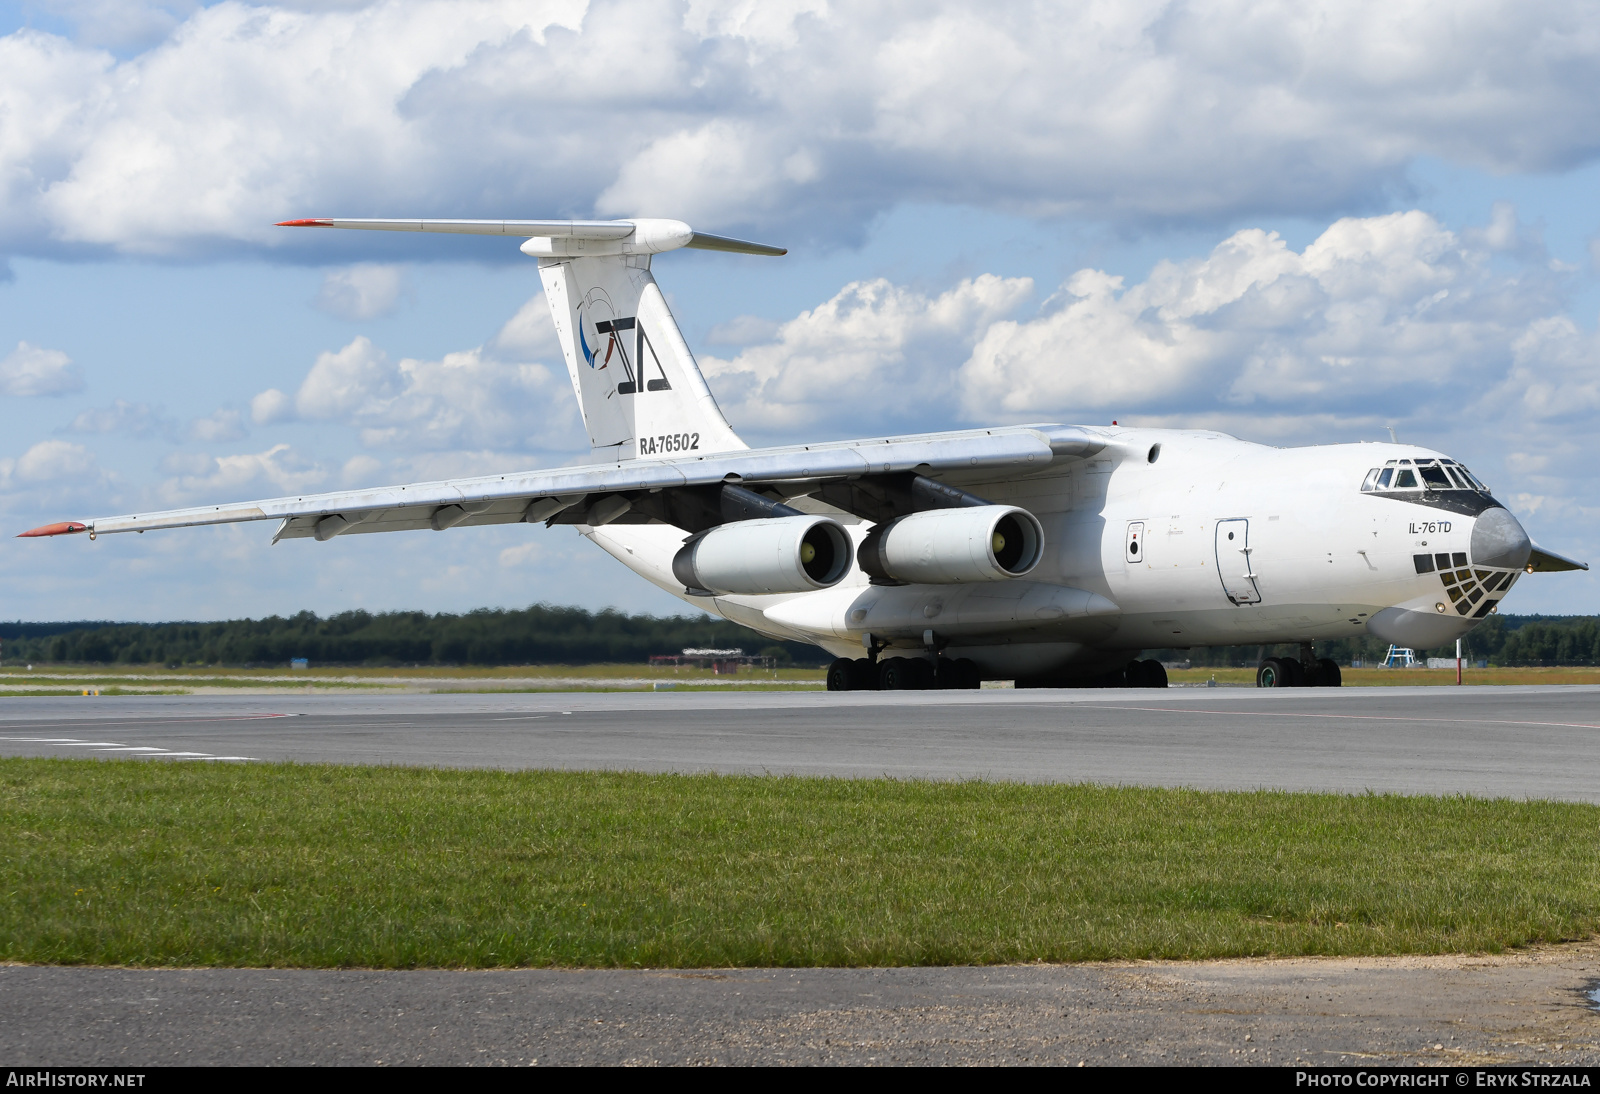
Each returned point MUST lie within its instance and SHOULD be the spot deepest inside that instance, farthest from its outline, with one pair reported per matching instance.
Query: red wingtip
(64, 528)
(305, 224)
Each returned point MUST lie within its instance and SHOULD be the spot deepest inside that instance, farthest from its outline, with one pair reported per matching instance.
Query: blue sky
(1298, 223)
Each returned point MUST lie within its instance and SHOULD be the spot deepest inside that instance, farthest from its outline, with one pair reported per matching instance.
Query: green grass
(154, 863)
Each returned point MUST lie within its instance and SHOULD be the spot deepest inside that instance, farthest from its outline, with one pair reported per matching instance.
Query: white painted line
(102, 723)
(93, 744)
(45, 740)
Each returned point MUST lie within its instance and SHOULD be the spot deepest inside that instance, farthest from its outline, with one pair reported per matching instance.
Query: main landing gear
(903, 674)
(1135, 674)
(1308, 671)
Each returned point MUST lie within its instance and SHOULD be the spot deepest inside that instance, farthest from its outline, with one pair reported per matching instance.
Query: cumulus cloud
(803, 115)
(271, 406)
(1379, 319)
(1555, 374)
(362, 470)
(363, 291)
(528, 335)
(523, 554)
(466, 400)
(138, 419)
(278, 470)
(218, 427)
(50, 474)
(34, 370)
(1375, 308)
(121, 24)
(50, 462)
(875, 350)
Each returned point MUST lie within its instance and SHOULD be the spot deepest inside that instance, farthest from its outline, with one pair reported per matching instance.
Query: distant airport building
(720, 662)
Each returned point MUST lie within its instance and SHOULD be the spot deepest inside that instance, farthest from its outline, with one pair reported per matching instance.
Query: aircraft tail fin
(641, 392)
(638, 386)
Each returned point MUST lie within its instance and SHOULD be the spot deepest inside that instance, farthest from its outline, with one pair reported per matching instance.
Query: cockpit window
(1377, 479)
(1432, 474)
(1435, 476)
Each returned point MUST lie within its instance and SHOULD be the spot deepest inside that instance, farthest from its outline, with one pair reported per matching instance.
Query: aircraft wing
(540, 495)
(1544, 561)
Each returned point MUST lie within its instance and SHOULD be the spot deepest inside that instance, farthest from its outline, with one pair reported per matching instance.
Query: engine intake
(773, 555)
(952, 546)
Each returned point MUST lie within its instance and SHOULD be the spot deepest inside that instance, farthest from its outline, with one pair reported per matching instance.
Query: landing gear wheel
(1328, 673)
(1294, 673)
(842, 675)
(1271, 674)
(864, 675)
(968, 677)
(901, 674)
(1144, 674)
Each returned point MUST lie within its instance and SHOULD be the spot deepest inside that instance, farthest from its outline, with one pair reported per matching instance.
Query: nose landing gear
(1308, 671)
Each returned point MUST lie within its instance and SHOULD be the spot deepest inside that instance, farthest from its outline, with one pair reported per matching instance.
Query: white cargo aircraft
(1048, 554)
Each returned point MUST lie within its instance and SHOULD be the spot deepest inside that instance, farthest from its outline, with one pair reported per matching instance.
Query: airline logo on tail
(613, 333)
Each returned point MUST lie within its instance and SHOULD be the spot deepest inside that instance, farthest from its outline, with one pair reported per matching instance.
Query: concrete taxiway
(1445, 1011)
(1520, 742)
(1515, 742)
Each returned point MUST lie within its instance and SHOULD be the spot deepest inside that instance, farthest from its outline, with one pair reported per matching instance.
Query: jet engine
(773, 555)
(951, 546)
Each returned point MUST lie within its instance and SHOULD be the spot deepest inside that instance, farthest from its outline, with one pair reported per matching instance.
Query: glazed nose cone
(1498, 540)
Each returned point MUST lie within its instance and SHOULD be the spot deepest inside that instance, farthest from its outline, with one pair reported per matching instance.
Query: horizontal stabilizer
(704, 241)
(555, 229)
(639, 236)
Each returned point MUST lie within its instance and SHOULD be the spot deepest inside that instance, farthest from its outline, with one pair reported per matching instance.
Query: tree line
(545, 634)
(1500, 640)
(542, 634)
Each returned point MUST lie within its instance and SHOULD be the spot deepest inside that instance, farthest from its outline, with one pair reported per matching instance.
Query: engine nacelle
(952, 546)
(772, 555)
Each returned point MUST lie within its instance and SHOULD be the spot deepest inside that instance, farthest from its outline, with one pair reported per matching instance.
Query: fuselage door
(1235, 564)
(1135, 544)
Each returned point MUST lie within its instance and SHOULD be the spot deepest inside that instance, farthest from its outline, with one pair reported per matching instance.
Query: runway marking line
(160, 721)
(145, 752)
(1345, 717)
